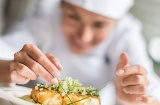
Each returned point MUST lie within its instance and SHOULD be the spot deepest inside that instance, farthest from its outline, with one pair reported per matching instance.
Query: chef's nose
(86, 34)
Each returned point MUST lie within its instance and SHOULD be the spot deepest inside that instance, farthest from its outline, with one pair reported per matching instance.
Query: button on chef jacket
(95, 69)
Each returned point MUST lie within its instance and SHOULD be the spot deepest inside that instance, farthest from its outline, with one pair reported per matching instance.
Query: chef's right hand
(30, 63)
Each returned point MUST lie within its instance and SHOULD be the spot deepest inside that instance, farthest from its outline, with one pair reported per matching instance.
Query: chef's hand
(131, 83)
(30, 63)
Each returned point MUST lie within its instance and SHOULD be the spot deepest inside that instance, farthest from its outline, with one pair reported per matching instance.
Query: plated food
(67, 92)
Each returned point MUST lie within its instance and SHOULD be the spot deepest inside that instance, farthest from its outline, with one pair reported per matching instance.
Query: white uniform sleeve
(36, 29)
(14, 41)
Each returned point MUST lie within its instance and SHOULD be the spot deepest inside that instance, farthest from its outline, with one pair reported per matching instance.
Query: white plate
(13, 94)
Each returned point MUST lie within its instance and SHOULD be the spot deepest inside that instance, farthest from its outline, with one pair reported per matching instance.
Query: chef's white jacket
(94, 69)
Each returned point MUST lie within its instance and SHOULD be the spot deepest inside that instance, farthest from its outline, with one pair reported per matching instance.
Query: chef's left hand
(131, 83)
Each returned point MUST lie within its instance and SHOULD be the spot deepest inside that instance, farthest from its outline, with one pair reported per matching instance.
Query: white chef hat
(109, 8)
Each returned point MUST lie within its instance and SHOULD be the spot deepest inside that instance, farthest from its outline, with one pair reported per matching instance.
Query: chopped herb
(69, 85)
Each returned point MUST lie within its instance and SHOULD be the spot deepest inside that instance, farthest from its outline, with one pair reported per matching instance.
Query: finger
(24, 71)
(135, 80)
(142, 100)
(39, 57)
(131, 99)
(150, 100)
(54, 60)
(135, 69)
(136, 89)
(123, 62)
(37, 68)
(17, 78)
(138, 99)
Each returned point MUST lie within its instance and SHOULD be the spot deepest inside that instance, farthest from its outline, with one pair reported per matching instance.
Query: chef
(95, 41)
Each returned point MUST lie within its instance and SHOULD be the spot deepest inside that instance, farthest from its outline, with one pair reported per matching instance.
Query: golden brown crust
(46, 96)
(85, 99)
(51, 97)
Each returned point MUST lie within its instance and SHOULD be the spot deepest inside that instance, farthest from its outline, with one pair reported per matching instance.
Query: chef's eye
(98, 25)
(74, 17)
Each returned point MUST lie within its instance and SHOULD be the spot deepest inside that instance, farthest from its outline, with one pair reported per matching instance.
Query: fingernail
(139, 98)
(56, 74)
(54, 81)
(120, 72)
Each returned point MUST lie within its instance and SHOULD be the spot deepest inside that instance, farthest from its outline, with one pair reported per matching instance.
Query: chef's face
(84, 30)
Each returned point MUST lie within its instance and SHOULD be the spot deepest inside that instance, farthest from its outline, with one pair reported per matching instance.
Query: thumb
(123, 61)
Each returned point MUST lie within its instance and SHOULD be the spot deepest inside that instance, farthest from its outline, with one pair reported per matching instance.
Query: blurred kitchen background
(148, 11)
